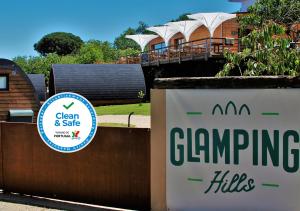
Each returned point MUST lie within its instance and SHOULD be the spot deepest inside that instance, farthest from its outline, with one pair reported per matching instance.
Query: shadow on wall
(200, 68)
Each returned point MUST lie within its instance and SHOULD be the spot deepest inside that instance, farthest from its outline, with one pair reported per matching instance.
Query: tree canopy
(122, 43)
(142, 28)
(90, 52)
(60, 43)
(282, 12)
(183, 17)
(267, 48)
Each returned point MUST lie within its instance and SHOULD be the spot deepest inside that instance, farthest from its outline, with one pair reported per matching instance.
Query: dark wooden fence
(114, 170)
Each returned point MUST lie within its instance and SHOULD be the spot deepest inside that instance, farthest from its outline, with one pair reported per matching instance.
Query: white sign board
(233, 149)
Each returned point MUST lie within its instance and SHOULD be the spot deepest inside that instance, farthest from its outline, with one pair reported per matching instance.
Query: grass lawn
(114, 125)
(143, 109)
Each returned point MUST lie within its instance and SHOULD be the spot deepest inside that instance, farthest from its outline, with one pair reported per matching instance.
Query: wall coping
(234, 82)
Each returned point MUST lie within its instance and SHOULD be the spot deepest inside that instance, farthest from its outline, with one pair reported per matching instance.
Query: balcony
(202, 49)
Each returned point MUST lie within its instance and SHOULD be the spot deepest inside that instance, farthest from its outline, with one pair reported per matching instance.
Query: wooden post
(210, 43)
(206, 53)
(1, 159)
(158, 150)
(222, 30)
(159, 57)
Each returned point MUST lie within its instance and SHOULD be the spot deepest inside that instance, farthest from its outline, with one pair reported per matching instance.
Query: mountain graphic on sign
(230, 109)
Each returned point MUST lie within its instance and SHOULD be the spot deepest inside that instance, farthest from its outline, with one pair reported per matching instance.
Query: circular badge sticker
(67, 122)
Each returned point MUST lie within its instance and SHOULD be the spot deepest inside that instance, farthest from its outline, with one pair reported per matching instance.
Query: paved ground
(6, 206)
(17, 202)
(138, 121)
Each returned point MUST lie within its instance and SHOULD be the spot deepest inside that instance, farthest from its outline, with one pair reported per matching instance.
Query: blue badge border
(41, 128)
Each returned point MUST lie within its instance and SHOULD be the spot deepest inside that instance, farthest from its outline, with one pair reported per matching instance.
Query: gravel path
(138, 121)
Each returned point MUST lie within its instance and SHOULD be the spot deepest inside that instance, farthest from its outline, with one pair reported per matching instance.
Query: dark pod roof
(98, 82)
(38, 81)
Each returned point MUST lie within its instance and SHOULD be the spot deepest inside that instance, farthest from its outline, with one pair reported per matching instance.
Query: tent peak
(186, 27)
(166, 32)
(142, 39)
(212, 20)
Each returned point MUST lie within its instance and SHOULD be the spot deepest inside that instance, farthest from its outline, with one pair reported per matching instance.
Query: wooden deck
(203, 49)
(196, 50)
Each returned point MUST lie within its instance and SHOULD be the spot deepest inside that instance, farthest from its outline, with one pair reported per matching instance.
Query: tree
(267, 49)
(90, 53)
(60, 43)
(142, 29)
(183, 17)
(37, 64)
(127, 52)
(123, 43)
(109, 52)
(22, 61)
(282, 12)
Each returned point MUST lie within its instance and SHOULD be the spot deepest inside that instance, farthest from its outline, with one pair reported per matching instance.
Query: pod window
(3, 82)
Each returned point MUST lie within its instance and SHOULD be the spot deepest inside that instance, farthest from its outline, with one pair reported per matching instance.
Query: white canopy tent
(142, 39)
(212, 20)
(186, 27)
(166, 32)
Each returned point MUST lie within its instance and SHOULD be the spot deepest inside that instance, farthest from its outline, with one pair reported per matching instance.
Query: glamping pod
(18, 99)
(38, 81)
(101, 84)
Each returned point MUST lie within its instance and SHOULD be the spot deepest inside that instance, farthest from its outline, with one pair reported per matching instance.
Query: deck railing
(198, 49)
(202, 48)
(295, 45)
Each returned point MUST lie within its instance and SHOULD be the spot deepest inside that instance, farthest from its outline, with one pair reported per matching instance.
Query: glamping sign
(67, 122)
(233, 149)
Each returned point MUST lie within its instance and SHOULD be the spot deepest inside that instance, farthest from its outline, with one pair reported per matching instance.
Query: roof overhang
(212, 20)
(142, 39)
(166, 32)
(186, 27)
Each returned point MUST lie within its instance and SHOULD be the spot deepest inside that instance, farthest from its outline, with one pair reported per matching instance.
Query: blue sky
(24, 22)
